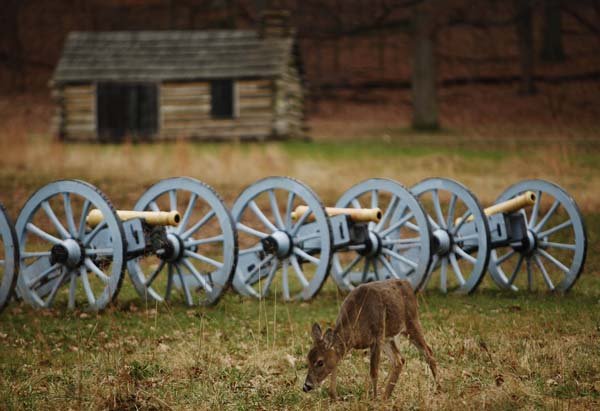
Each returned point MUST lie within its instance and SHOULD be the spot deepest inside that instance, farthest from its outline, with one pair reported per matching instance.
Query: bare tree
(552, 47)
(424, 95)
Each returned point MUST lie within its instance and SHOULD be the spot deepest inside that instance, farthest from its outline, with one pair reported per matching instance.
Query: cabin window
(126, 110)
(222, 99)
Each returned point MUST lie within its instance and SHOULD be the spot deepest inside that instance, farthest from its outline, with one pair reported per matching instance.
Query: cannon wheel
(558, 242)
(449, 205)
(203, 266)
(259, 216)
(403, 233)
(9, 258)
(56, 248)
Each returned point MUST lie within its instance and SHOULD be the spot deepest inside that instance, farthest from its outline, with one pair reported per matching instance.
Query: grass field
(495, 349)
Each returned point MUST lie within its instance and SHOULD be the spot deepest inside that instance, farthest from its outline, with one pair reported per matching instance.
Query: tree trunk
(524, 26)
(552, 46)
(15, 61)
(425, 109)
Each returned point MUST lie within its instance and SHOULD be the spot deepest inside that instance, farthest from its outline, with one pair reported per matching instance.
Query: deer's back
(373, 310)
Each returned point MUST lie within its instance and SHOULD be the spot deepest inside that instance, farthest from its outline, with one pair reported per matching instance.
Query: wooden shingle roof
(170, 55)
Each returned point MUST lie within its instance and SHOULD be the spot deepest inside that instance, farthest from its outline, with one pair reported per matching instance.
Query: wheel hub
(69, 253)
(372, 245)
(172, 249)
(528, 243)
(279, 243)
(442, 242)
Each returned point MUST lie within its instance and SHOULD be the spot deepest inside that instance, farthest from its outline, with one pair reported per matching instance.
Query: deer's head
(322, 358)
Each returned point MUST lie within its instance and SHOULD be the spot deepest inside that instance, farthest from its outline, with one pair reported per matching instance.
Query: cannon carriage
(180, 241)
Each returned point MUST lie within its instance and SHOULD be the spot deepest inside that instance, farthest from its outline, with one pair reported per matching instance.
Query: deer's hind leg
(374, 369)
(393, 353)
(415, 335)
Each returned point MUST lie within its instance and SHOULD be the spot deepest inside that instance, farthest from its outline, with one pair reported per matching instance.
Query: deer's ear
(316, 332)
(328, 337)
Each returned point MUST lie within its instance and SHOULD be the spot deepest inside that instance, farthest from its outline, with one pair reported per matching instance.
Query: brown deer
(372, 316)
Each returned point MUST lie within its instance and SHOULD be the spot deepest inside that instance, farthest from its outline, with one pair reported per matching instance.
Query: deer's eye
(320, 363)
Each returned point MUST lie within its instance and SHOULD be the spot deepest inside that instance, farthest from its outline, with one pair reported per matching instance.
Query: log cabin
(162, 85)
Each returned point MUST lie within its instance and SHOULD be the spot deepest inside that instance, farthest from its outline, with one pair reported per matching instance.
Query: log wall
(289, 104)
(185, 111)
(75, 116)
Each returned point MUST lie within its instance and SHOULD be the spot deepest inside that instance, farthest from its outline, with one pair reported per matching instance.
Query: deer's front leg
(333, 384)
(375, 355)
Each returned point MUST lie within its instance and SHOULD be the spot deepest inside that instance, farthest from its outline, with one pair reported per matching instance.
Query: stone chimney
(275, 22)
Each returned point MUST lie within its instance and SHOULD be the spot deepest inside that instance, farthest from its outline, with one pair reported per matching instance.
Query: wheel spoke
(456, 269)
(540, 264)
(69, 215)
(35, 254)
(188, 212)
(54, 219)
(547, 216)
(203, 258)
(261, 216)
(285, 280)
(451, 209)
(388, 212)
(201, 241)
(529, 274)
(467, 237)
(54, 290)
(464, 254)
(90, 236)
(173, 200)
(72, 290)
(169, 288)
(99, 251)
(365, 271)
(31, 283)
(412, 242)
(399, 257)
(438, 208)
(154, 274)
(300, 222)
(308, 237)
(42, 234)
(197, 275)
(299, 272)
(561, 246)
(269, 278)
(288, 210)
(555, 229)
(199, 224)
(96, 270)
(554, 261)
(257, 248)
(301, 253)
(374, 198)
(461, 221)
(443, 276)
(186, 290)
(388, 267)
(515, 272)
(258, 266)
(396, 225)
(244, 228)
(84, 213)
(505, 257)
(536, 209)
(355, 203)
(86, 286)
(153, 206)
(275, 209)
(352, 264)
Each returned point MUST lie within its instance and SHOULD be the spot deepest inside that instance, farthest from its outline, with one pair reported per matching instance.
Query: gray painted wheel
(462, 247)
(205, 239)
(57, 248)
(9, 258)
(271, 242)
(402, 235)
(556, 255)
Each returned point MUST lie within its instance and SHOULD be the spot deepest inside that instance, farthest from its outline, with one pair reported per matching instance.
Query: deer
(373, 316)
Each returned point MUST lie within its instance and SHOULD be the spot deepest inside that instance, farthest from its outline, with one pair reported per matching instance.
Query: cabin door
(126, 111)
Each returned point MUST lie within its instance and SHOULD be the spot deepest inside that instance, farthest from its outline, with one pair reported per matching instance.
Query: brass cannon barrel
(156, 218)
(509, 206)
(358, 215)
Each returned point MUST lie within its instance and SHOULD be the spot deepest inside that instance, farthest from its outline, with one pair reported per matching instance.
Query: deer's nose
(307, 387)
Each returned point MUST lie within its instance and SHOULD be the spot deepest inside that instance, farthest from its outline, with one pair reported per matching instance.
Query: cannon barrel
(509, 206)
(358, 215)
(155, 218)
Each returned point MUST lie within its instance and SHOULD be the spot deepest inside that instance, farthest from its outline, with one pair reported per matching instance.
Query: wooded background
(347, 45)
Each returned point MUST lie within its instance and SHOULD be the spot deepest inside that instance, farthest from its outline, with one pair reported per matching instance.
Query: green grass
(496, 349)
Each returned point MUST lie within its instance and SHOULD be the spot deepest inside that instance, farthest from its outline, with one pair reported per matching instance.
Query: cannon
(468, 239)
(9, 258)
(283, 227)
(70, 234)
